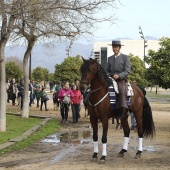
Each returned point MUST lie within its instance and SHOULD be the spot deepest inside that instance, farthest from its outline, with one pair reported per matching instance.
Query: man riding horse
(119, 67)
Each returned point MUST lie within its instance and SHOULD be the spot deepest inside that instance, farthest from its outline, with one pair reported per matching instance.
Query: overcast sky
(152, 15)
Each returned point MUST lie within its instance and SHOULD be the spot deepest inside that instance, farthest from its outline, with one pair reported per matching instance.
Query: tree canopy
(13, 71)
(138, 70)
(68, 70)
(40, 74)
(159, 73)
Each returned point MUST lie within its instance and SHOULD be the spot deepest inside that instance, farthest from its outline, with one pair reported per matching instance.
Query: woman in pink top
(75, 103)
(64, 108)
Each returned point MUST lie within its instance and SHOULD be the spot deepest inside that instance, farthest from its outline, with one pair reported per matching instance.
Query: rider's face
(116, 49)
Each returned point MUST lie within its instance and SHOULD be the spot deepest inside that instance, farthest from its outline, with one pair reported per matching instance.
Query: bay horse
(98, 105)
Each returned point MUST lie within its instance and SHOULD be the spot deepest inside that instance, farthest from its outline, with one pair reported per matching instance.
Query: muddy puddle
(77, 137)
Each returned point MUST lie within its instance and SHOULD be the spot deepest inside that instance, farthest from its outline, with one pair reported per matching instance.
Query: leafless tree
(7, 24)
(39, 20)
(42, 19)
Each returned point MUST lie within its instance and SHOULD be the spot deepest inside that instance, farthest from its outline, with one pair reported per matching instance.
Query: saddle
(129, 88)
(115, 85)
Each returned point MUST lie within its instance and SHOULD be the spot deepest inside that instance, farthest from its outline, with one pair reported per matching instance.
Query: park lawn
(15, 126)
(158, 95)
(49, 128)
(52, 126)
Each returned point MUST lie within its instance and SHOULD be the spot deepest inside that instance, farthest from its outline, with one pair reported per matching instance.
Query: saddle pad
(112, 95)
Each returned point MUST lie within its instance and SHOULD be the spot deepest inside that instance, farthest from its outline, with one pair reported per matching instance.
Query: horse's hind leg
(126, 130)
(138, 118)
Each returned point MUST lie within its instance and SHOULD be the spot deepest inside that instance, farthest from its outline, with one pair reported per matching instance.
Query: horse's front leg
(104, 141)
(94, 123)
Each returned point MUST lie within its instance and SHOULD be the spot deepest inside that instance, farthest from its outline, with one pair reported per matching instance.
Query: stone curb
(25, 134)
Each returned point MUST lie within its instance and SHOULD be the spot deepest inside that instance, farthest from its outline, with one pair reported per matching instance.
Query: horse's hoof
(94, 157)
(102, 160)
(121, 153)
(138, 154)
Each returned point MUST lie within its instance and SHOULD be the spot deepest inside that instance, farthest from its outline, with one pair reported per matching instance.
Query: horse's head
(88, 70)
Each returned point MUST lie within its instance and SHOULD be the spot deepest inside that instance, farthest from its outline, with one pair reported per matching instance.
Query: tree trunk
(25, 111)
(156, 89)
(2, 88)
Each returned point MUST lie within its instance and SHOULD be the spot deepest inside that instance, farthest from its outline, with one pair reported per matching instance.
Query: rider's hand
(116, 76)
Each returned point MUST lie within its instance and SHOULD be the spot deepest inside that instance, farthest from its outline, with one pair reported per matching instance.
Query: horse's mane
(102, 72)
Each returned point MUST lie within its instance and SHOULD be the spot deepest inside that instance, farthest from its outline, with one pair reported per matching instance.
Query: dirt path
(75, 148)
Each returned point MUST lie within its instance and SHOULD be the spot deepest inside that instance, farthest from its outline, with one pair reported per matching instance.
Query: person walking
(37, 92)
(119, 68)
(8, 90)
(75, 103)
(51, 84)
(31, 90)
(64, 106)
(77, 83)
(21, 92)
(13, 91)
(43, 96)
(57, 89)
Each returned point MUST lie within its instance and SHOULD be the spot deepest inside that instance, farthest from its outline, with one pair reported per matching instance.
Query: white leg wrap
(140, 144)
(95, 147)
(104, 153)
(125, 144)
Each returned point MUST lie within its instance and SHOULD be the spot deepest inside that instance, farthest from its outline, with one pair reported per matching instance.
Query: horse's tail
(148, 124)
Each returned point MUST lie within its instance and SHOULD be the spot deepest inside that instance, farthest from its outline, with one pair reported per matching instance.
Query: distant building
(102, 50)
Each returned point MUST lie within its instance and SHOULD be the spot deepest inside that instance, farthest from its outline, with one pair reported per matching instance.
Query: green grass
(16, 126)
(47, 129)
(158, 96)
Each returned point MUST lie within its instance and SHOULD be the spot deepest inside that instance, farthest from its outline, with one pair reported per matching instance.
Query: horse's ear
(83, 59)
(96, 59)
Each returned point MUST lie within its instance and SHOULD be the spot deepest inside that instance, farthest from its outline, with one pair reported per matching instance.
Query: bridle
(89, 82)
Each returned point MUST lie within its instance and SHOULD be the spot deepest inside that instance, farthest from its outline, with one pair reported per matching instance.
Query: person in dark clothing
(37, 92)
(8, 90)
(13, 91)
(51, 86)
(31, 93)
(43, 96)
(21, 92)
